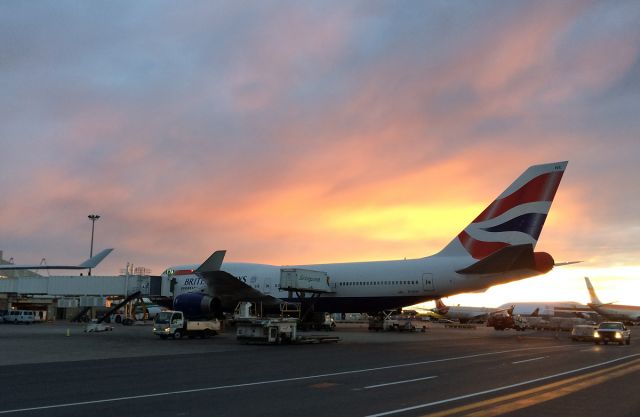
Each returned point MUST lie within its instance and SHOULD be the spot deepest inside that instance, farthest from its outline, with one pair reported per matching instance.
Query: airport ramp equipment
(119, 306)
(304, 280)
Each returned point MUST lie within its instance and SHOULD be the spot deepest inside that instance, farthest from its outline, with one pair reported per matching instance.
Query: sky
(308, 132)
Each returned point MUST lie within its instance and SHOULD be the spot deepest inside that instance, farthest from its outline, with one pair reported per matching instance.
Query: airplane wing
(89, 263)
(224, 285)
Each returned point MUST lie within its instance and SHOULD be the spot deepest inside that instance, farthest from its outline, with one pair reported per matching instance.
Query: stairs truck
(173, 324)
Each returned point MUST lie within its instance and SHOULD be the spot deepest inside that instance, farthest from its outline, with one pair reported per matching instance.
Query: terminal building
(61, 297)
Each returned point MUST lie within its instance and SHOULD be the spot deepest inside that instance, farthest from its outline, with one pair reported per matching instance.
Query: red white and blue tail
(441, 307)
(514, 218)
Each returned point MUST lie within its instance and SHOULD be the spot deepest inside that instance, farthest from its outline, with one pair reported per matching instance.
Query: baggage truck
(173, 324)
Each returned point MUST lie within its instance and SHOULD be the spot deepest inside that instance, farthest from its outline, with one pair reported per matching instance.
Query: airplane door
(428, 282)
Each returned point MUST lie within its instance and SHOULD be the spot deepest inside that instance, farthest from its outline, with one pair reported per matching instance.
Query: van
(582, 332)
(20, 316)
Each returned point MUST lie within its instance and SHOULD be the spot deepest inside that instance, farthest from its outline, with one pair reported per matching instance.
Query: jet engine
(197, 305)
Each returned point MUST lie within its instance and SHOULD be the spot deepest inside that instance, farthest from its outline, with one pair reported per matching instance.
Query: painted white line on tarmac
(400, 382)
(489, 391)
(274, 381)
(530, 360)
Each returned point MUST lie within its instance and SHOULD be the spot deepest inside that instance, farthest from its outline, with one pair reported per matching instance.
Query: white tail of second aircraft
(594, 298)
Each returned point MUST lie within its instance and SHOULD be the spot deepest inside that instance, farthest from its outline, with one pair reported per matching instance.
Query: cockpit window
(163, 317)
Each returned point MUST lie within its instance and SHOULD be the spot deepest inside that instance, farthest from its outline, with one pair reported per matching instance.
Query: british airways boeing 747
(495, 248)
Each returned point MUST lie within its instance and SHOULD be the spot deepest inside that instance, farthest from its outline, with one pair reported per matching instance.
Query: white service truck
(173, 324)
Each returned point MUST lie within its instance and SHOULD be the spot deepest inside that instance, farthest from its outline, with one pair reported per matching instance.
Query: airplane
(611, 311)
(495, 248)
(462, 313)
(89, 263)
(551, 308)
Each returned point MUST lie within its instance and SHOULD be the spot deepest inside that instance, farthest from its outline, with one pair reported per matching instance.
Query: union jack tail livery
(496, 248)
(515, 218)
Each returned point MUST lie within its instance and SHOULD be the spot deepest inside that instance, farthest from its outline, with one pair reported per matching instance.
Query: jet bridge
(65, 285)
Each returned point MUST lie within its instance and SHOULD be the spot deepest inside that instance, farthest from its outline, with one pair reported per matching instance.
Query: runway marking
(530, 360)
(523, 399)
(274, 381)
(506, 387)
(400, 382)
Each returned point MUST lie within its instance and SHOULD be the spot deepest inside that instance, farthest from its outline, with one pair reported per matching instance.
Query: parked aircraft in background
(551, 308)
(88, 264)
(495, 248)
(462, 313)
(612, 311)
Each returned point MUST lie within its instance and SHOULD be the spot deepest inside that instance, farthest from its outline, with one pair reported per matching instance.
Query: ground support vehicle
(582, 332)
(173, 324)
(378, 323)
(507, 321)
(19, 317)
(252, 327)
(612, 331)
(94, 327)
(275, 331)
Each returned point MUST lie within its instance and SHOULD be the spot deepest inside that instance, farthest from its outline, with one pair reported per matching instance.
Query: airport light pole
(93, 218)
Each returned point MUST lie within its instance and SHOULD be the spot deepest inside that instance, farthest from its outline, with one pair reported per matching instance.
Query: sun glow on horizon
(616, 284)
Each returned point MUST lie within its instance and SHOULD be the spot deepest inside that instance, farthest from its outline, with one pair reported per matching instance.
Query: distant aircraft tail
(515, 217)
(95, 260)
(441, 308)
(592, 292)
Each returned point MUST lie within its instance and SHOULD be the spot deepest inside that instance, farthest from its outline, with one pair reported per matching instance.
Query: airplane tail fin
(213, 262)
(441, 307)
(515, 217)
(592, 292)
(95, 259)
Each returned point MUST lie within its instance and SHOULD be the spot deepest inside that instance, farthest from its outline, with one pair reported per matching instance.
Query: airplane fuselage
(362, 286)
(618, 312)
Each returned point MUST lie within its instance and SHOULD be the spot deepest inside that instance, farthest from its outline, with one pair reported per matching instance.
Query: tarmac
(64, 341)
